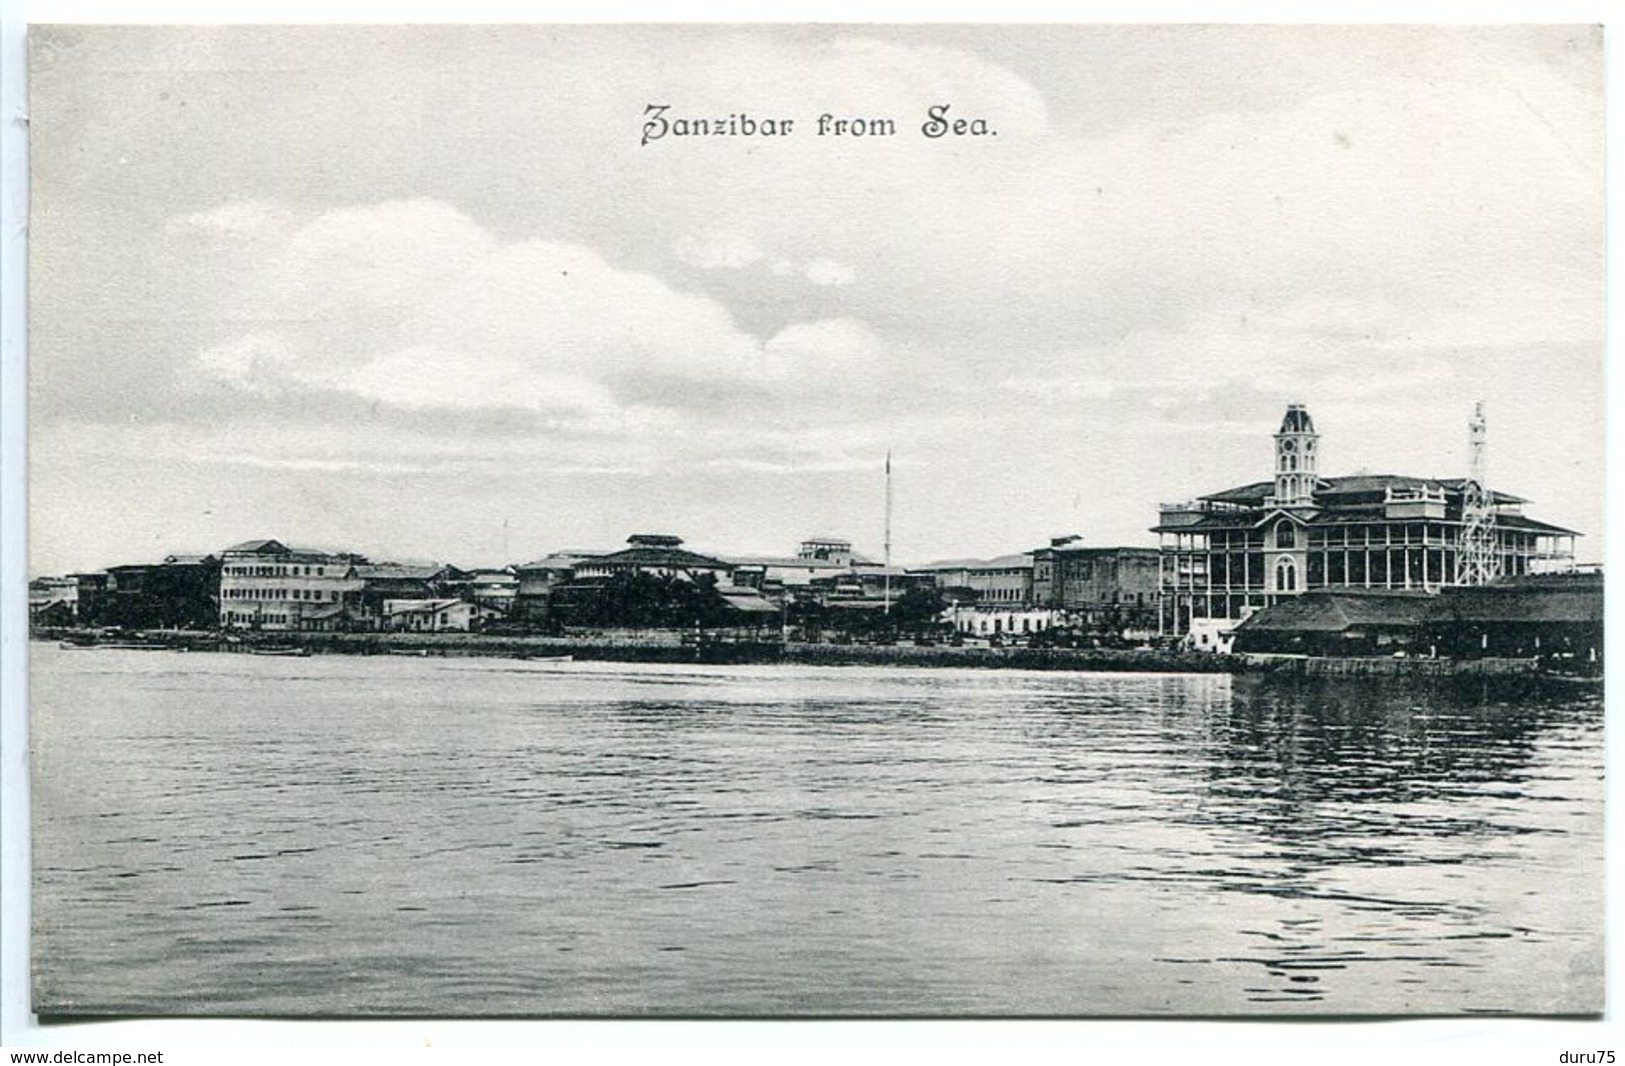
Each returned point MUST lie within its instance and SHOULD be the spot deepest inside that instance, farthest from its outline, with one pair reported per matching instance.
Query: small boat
(416, 653)
(115, 645)
(294, 652)
(547, 658)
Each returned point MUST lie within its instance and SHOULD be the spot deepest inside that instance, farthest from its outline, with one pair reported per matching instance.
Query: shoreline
(656, 647)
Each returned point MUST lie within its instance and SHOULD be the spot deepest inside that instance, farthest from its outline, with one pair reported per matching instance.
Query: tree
(918, 609)
(639, 600)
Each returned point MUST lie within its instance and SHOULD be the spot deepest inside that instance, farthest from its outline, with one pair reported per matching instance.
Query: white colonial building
(264, 584)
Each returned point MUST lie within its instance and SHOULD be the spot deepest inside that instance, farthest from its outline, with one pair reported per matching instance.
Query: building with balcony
(1233, 552)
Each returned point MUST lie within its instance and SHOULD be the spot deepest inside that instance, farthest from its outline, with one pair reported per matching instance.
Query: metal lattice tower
(1476, 560)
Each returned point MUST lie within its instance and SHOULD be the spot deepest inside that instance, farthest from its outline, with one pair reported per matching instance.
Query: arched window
(1286, 576)
(1285, 535)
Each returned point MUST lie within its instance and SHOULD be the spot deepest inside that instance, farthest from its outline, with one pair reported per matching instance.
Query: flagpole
(886, 562)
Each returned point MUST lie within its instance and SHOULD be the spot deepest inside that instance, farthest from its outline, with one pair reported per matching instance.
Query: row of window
(275, 571)
(247, 618)
(279, 594)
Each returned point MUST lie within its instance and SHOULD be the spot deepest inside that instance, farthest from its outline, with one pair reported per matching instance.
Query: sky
(421, 292)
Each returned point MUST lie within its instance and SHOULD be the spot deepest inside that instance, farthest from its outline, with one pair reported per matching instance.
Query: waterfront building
(816, 558)
(381, 583)
(834, 551)
(495, 590)
(539, 579)
(1005, 581)
(443, 615)
(90, 596)
(179, 593)
(1335, 622)
(659, 556)
(994, 621)
(655, 554)
(1098, 587)
(874, 586)
(1555, 617)
(264, 584)
(53, 601)
(1233, 552)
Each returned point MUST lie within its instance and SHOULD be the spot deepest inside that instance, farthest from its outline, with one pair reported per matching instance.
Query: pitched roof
(566, 560)
(785, 560)
(661, 557)
(1337, 611)
(1354, 484)
(1565, 598)
(260, 547)
(749, 603)
(399, 571)
(1015, 561)
(1518, 521)
(419, 606)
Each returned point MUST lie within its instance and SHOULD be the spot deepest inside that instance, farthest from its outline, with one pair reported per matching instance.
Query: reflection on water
(235, 834)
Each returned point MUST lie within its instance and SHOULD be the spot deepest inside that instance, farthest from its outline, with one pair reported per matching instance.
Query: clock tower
(1296, 458)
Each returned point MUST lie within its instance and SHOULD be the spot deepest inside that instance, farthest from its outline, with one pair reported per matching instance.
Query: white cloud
(718, 251)
(834, 350)
(829, 272)
(257, 361)
(241, 220)
(412, 305)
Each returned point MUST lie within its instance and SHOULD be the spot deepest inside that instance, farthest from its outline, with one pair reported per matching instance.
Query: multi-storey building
(540, 579)
(657, 554)
(264, 584)
(818, 559)
(1115, 587)
(493, 589)
(179, 593)
(1233, 552)
(1006, 581)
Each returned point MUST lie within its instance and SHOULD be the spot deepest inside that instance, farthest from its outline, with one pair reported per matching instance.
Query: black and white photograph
(816, 521)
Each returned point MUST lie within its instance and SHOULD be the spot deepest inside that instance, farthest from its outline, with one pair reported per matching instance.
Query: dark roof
(654, 540)
(260, 547)
(749, 603)
(1553, 599)
(786, 561)
(665, 557)
(1336, 611)
(400, 571)
(1344, 514)
(1096, 549)
(560, 561)
(1518, 521)
(1249, 494)
(1214, 520)
(1253, 494)
(1017, 561)
(189, 560)
(1297, 420)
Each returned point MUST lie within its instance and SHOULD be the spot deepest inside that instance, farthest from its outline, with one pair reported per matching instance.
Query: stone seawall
(670, 647)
